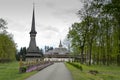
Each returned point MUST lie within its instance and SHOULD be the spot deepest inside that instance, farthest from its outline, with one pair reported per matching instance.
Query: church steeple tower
(33, 51)
(32, 45)
(60, 45)
(33, 31)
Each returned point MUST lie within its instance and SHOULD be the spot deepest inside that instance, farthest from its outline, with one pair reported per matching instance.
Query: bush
(94, 72)
(76, 65)
(22, 69)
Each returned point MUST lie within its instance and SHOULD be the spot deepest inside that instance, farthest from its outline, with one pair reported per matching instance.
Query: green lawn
(105, 72)
(9, 71)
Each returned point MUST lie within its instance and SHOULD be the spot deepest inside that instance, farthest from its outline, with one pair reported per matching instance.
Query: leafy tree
(3, 24)
(7, 47)
(97, 35)
(7, 44)
(78, 34)
(113, 9)
(67, 44)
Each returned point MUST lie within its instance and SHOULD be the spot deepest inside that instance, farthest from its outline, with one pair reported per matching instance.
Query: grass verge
(105, 72)
(10, 71)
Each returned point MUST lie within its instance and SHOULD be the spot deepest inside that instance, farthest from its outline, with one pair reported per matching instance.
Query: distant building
(60, 50)
(58, 54)
(33, 52)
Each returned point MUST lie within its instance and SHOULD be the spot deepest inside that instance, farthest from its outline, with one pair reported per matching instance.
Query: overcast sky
(53, 19)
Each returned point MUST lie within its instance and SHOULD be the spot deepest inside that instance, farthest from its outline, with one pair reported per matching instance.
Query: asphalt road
(57, 71)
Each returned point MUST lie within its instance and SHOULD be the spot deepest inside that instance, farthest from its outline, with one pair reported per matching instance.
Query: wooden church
(33, 52)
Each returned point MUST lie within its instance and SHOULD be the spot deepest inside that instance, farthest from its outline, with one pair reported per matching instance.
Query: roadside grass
(10, 71)
(104, 72)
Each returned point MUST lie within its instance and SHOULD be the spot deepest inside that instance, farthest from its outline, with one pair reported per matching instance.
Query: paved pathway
(57, 71)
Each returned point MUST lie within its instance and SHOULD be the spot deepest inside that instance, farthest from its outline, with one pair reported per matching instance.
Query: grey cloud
(63, 9)
(66, 12)
(47, 32)
(60, 9)
(60, 4)
(15, 26)
(50, 4)
(49, 35)
(41, 27)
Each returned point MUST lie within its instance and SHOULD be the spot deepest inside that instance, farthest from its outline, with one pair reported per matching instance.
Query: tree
(97, 35)
(67, 44)
(47, 48)
(21, 54)
(78, 34)
(7, 44)
(3, 24)
(113, 9)
(7, 48)
(41, 52)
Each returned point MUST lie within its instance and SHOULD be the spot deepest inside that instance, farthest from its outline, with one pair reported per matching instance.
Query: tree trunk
(90, 54)
(82, 55)
(118, 60)
(98, 59)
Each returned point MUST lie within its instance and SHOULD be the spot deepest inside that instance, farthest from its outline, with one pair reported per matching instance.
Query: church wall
(59, 59)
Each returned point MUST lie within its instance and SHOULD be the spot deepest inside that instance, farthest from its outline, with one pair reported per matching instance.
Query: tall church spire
(32, 45)
(33, 52)
(33, 22)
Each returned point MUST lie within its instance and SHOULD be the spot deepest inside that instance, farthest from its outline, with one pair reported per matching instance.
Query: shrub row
(4, 60)
(76, 65)
(34, 67)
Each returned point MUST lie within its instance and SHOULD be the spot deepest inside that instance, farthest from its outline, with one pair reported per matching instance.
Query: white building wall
(59, 59)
